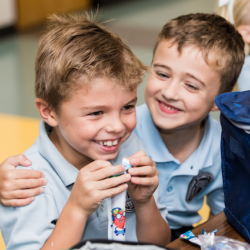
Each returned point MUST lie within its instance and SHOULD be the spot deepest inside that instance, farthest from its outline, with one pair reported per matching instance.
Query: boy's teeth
(108, 143)
(167, 107)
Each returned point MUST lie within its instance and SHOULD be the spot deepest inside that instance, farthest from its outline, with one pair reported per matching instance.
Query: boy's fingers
(113, 182)
(26, 193)
(144, 181)
(23, 184)
(29, 183)
(99, 164)
(14, 161)
(147, 170)
(114, 191)
(138, 154)
(27, 174)
(107, 172)
(17, 202)
(141, 161)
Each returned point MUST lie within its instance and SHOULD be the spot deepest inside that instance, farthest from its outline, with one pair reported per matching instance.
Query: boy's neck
(70, 154)
(183, 142)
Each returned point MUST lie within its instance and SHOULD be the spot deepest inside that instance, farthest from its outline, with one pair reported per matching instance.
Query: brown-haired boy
(196, 57)
(86, 83)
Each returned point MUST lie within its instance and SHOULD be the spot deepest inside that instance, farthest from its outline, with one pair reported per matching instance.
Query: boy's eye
(162, 75)
(128, 107)
(192, 87)
(96, 113)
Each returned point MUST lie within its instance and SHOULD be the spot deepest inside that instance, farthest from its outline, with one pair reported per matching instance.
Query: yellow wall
(16, 135)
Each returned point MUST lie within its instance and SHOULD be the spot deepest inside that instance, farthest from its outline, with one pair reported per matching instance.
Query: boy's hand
(93, 185)
(144, 178)
(19, 186)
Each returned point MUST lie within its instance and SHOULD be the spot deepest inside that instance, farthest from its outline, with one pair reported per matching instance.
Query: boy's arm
(151, 227)
(18, 187)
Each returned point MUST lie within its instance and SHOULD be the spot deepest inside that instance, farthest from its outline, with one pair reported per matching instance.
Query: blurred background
(138, 22)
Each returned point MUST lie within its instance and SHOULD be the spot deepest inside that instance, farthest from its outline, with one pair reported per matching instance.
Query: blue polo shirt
(175, 178)
(28, 227)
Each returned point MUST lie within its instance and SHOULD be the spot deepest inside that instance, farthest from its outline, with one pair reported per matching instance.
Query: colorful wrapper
(116, 210)
(189, 236)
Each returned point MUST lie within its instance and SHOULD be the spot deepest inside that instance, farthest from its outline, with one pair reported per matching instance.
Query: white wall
(7, 13)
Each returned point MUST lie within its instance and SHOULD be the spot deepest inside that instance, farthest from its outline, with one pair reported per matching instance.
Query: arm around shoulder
(18, 187)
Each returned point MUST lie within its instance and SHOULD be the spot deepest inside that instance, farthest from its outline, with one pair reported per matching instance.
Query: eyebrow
(197, 79)
(104, 106)
(190, 75)
(133, 100)
(161, 66)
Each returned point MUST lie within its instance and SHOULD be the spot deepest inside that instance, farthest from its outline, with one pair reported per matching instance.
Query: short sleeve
(28, 227)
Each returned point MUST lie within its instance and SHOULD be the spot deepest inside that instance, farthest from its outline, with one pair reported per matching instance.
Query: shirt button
(191, 167)
(102, 208)
(170, 189)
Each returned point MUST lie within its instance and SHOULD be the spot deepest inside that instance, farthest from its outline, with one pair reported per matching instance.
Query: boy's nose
(171, 91)
(114, 125)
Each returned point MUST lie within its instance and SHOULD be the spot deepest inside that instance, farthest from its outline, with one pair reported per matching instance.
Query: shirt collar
(159, 152)
(47, 149)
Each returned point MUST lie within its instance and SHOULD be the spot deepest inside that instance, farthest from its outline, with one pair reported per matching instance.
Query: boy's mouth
(108, 143)
(168, 108)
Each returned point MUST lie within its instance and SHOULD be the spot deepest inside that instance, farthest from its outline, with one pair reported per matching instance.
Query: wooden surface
(218, 222)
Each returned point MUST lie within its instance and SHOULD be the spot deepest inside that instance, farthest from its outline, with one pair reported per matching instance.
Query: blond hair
(241, 16)
(221, 44)
(77, 46)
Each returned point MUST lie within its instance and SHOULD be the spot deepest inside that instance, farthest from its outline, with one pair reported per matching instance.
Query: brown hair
(76, 46)
(221, 44)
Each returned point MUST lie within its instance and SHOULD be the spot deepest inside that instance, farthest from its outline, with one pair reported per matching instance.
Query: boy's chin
(106, 157)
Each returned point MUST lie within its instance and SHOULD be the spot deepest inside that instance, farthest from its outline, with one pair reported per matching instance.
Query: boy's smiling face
(95, 121)
(181, 87)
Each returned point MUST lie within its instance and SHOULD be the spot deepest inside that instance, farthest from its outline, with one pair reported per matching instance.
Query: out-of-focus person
(238, 13)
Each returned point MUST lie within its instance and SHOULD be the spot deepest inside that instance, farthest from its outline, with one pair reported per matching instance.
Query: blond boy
(86, 82)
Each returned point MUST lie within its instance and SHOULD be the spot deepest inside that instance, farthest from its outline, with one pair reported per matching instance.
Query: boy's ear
(244, 30)
(214, 108)
(47, 114)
